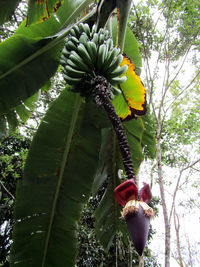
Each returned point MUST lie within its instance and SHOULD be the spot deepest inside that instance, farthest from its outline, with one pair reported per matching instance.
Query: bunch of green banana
(88, 53)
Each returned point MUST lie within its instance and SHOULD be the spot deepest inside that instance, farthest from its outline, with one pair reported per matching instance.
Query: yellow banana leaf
(132, 101)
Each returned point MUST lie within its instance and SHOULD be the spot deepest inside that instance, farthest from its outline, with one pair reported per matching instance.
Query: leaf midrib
(62, 169)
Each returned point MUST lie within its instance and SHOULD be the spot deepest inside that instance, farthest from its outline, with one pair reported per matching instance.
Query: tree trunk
(162, 194)
(177, 229)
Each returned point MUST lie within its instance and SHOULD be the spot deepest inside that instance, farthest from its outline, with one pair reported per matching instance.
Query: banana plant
(65, 159)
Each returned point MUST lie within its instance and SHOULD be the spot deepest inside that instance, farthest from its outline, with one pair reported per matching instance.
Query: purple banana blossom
(136, 211)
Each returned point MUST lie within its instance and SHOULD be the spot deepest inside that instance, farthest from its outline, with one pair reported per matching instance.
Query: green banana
(74, 73)
(118, 71)
(109, 44)
(95, 38)
(71, 80)
(72, 32)
(74, 57)
(115, 63)
(101, 39)
(116, 90)
(83, 53)
(106, 34)
(63, 62)
(65, 52)
(83, 38)
(94, 29)
(86, 29)
(74, 40)
(118, 80)
(101, 56)
(112, 96)
(73, 65)
(80, 25)
(106, 52)
(70, 46)
(87, 51)
(110, 58)
(77, 31)
(101, 31)
(92, 50)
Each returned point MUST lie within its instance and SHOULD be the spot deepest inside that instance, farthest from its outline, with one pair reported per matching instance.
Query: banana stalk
(101, 95)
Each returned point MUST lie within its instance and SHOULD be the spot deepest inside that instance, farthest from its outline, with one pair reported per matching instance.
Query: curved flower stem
(101, 94)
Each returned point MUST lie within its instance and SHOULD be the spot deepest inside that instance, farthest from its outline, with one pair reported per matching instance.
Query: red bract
(126, 191)
(129, 191)
(145, 194)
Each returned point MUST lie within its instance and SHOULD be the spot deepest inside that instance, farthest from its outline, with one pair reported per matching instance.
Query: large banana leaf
(131, 47)
(108, 213)
(123, 8)
(57, 179)
(134, 130)
(20, 79)
(133, 99)
(148, 137)
(27, 60)
(108, 222)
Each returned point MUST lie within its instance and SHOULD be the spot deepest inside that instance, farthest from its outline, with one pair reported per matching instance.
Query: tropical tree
(169, 36)
(74, 142)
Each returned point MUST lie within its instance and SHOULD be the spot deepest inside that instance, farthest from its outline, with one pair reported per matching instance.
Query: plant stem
(101, 97)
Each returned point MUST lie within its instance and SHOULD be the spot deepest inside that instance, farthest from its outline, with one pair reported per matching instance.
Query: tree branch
(7, 191)
(177, 184)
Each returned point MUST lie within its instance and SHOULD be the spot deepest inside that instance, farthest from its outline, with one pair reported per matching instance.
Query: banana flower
(136, 211)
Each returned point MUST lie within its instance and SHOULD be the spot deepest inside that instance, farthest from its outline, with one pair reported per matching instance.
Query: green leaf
(57, 179)
(23, 113)
(107, 218)
(6, 9)
(124, 10)
(148, 137)
(44, 29)
(134, 130)
(104, 11)
(104, 158)
(131, 47)
(25, 76)
(28, 59)
(12, 121)
(79, 9)
(30, 102)
(108, 212)
(39, 10)
(132, 101)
